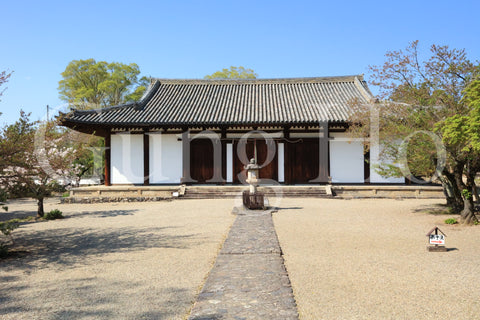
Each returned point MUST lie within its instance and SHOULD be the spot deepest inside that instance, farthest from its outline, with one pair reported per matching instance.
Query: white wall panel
(346, 160)
(229, 162)
(127, 159)
(165, 158)
(281, 162)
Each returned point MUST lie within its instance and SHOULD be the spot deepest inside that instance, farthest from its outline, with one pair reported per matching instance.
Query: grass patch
(451, 221)
(439, 210)
(20, 220)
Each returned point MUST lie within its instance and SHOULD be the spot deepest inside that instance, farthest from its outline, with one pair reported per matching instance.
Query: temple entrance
(201, 160)
(269, 171)
(301, 161)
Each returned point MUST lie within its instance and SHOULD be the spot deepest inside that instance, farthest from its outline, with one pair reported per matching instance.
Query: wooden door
(268, 171)
(301, 161)
(201, 160)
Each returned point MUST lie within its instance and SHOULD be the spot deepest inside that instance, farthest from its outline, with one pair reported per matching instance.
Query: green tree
(233, 73)
(88, 84)
(424, 96)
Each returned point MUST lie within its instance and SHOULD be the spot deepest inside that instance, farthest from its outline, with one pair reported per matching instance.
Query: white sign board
(437, 239)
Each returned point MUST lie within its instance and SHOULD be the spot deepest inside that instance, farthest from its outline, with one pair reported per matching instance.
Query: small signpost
(437, 238)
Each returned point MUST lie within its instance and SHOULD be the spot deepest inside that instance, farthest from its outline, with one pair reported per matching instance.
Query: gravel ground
(367, 259)
(112, 261)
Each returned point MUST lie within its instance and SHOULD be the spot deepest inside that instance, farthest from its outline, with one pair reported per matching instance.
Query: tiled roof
(170, 103)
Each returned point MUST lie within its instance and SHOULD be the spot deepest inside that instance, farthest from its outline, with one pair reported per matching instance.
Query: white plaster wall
(229, 162)
(281, 162)
(346, 160)
(127, 159)
(165, 158)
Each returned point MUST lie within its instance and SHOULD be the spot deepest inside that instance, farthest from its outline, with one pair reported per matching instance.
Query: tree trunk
(467, 216)
(452, 192)
(40, 211)
(471, 174)
(476, 198)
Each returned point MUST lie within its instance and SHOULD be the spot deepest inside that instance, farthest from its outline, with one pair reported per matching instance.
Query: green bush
(6, 229)
(451, 221)
(54, 214)
(3, 250)
(467, 195)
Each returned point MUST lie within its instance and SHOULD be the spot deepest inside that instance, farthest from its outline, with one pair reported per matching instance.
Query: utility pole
(48, 116)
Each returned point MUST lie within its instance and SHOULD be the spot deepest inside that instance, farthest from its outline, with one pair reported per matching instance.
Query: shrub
(54, 214)
(6, 229)
(451, 221)
(3, 250)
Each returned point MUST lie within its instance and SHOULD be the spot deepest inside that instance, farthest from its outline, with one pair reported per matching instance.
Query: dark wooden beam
(323, 160)
(108, 155)
(186, 173)
(286, 133)
(146, 159)
(366, 167)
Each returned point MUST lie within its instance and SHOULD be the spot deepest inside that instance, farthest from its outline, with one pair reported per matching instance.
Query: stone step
(202, 192)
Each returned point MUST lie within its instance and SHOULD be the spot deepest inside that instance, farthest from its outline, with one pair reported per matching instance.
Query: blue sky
(190, 39)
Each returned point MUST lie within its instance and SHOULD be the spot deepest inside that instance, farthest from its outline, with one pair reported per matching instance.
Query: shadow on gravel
(91, 298)
(435, 209)
(4, 216)
(70, 247)
(289, 208)
(101, 214)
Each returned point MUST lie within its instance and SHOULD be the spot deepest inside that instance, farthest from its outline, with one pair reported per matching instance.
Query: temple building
(205, 131)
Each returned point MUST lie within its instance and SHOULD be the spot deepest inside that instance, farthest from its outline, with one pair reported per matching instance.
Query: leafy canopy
(233, 73)
(88, 84)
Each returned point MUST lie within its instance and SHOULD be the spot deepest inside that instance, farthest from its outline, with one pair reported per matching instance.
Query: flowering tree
(3, 195)
(3, 79)
(36, 160)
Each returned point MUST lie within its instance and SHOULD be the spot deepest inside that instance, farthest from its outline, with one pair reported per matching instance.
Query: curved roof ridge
(348, 78)
(140, 104)
(360, 83)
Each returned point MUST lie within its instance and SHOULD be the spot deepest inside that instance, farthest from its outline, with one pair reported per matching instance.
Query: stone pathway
(248, 280)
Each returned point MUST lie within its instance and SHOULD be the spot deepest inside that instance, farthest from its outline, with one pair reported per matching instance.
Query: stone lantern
(252, 199)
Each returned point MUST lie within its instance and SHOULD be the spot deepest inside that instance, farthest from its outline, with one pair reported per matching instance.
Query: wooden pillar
(146, 159)
(108, 155)
(186, 176)
(224, 154)
(287, 158)
(323, 158)
(287, 163)
(366, 167)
